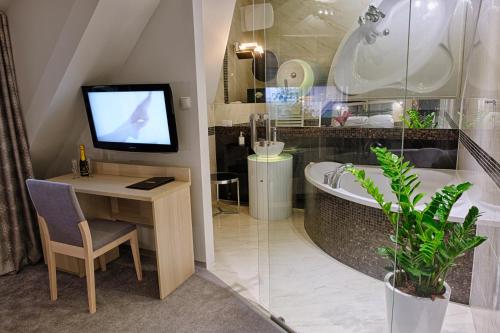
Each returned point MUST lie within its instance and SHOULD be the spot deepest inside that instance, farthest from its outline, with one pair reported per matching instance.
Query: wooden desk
(165, 209)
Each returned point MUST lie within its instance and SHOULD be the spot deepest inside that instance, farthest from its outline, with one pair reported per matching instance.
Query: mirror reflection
(322, 63)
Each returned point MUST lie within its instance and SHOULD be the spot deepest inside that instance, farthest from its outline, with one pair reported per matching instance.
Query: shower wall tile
(481, 122)
(485, 301)
(495, 242)
(298, 33)
(291, 47)
(479, 153)
(489, 164)
(476, 166)
(480, 168)
(238, 113)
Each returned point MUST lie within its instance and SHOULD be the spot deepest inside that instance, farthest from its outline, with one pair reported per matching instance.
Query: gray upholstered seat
(104, 231)
(58, 205)
(62, 221)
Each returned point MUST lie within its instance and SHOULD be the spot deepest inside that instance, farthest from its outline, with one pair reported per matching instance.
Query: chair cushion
(105, 231)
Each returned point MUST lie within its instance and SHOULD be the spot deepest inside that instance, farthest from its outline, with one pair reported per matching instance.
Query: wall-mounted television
(132, 117)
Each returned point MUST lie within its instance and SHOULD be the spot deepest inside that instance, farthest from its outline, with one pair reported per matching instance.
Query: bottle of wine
(84, 164)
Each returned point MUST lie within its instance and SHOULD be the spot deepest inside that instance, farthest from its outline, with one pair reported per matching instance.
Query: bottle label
(84, 164)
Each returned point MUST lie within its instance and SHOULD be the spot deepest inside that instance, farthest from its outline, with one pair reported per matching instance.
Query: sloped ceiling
(92, 44)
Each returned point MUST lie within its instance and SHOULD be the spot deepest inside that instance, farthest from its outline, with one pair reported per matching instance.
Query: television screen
(131, 117)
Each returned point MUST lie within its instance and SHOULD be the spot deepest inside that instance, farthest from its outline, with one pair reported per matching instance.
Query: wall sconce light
(247, 50)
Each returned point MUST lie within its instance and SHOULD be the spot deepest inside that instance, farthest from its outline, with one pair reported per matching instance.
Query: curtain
(19, 241)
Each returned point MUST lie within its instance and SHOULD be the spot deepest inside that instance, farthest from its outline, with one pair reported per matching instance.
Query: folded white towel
(356, 121)
(380, 121)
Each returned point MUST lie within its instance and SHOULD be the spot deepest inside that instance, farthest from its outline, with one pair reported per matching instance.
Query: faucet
(266, 118)
(327, 178)
(373, 14)
(332, 178)
(259, 118)
(274, 132)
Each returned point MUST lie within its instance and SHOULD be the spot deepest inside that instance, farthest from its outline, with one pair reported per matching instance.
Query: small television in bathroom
(133, 117)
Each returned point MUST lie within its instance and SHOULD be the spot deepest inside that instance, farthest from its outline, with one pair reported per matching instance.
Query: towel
(380, 121)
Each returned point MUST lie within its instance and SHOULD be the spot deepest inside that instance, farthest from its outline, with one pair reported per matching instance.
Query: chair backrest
(58, 205)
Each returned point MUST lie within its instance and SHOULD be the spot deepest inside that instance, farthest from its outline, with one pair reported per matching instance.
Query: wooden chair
(65, 230)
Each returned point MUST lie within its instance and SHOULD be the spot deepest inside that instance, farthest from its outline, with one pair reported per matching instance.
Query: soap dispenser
(241, 139)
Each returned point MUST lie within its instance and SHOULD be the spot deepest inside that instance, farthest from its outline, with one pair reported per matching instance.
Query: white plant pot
(412, 314)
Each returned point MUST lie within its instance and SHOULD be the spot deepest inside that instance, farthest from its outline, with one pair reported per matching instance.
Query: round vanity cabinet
(270, 186)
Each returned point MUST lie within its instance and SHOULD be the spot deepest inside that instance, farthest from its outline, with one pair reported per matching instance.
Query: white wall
(38, 37)
(101, 53)
(217, 17)
(60, 45)
(112, 41)
(167, 53)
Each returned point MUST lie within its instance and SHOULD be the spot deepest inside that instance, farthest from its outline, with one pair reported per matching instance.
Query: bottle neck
(82, 154)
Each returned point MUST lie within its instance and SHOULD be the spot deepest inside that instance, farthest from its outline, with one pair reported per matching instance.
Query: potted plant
(426, 245)
(413, 119)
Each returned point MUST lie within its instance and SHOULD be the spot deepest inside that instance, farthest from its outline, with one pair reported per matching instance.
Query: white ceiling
(4, 4)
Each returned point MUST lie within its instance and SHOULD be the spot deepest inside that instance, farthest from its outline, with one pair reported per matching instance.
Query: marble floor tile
(276, 264)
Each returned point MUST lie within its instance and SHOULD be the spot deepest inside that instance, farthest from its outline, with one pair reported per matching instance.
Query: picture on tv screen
(131, 117)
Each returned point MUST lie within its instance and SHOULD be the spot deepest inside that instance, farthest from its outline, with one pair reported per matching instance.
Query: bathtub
(349, 225)
(349, 189)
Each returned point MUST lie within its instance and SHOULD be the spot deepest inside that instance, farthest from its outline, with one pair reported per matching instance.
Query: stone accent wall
(425, 148)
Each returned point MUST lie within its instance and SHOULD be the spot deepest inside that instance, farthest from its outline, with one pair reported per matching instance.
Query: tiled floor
(299, 282)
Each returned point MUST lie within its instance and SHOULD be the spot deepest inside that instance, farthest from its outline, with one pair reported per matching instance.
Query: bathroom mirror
(336, 64)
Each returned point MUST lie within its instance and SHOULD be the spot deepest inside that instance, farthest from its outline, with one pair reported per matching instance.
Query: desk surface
(115, 186)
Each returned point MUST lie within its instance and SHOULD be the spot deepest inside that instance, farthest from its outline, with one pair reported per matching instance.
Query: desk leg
(174, 240)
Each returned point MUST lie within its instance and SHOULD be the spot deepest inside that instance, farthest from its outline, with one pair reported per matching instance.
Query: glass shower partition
(327, 81)
(335, 83)
(453, 107)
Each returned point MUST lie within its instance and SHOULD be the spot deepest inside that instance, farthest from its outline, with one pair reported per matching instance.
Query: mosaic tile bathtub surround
(351, 233)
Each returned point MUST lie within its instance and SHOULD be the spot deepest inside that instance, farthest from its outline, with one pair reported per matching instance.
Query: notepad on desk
(151, 183)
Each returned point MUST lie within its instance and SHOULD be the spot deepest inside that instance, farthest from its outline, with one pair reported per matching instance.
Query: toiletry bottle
(241, 139)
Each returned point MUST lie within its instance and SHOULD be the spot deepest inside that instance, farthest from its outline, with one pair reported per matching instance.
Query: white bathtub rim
(489, 216)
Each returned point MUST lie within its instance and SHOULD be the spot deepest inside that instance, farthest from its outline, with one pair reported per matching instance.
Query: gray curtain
(19, 242)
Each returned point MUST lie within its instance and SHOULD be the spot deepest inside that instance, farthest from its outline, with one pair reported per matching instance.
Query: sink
(269, 148)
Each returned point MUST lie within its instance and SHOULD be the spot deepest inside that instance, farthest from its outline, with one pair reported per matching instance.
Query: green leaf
(426, 244)
(471, 217)
(417, 198)
(413, 119)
